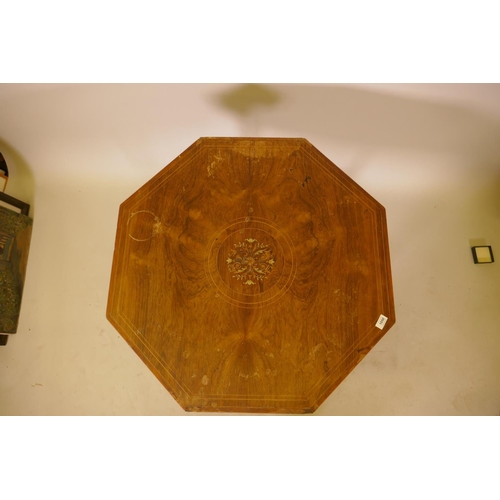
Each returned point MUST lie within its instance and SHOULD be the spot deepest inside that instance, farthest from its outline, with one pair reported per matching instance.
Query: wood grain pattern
(249, 275)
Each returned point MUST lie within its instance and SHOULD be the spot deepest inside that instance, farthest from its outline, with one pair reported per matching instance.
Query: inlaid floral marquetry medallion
(251, 275)
(250, 261)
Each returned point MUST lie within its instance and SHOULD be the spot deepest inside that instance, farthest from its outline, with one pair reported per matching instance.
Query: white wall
(429, 154)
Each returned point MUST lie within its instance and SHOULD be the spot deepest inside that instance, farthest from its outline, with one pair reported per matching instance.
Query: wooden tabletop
(251, 275)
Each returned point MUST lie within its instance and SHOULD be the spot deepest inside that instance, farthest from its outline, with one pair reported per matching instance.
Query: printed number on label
(381, 321)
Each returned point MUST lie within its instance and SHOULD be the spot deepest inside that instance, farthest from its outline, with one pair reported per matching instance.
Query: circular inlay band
(250, 262)
(143, 225)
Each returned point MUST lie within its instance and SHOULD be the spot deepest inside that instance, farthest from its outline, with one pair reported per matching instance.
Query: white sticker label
(381, 321)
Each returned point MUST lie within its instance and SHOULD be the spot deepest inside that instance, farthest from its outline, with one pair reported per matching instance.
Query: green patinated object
(15, 236)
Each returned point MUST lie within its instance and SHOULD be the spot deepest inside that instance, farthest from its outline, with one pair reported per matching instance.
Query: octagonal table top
(251, 275)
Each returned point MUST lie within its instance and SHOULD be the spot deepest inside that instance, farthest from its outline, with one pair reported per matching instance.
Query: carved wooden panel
(251, 275)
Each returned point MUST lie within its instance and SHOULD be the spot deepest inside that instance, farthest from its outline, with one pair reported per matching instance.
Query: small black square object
(482, 255)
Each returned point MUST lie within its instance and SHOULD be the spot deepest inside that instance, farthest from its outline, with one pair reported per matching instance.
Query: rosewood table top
(251, 275)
